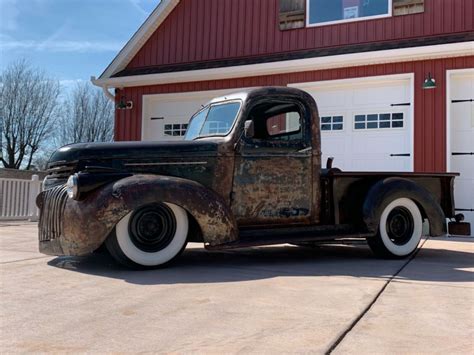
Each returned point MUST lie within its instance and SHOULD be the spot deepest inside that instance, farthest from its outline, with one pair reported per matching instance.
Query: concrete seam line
(18, 261)
(367, 309)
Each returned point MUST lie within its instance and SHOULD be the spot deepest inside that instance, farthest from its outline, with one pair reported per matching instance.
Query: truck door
(273, 166)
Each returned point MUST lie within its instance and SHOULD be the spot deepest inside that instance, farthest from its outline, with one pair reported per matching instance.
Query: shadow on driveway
(200, 266)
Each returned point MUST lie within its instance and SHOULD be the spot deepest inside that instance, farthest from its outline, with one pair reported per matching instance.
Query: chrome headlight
(72, 186)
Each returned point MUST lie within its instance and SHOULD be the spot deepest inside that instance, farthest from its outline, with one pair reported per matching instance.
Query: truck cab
(248, 173)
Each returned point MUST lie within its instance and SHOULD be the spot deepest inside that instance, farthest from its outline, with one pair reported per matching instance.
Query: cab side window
(286, 126)
(277, 121)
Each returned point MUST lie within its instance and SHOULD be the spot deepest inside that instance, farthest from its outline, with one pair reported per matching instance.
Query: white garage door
(462, 141)
(166, 117)
(366, 125)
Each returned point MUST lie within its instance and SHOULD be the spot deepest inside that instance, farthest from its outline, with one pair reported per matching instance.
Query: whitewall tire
(150, 236)
(400, 229)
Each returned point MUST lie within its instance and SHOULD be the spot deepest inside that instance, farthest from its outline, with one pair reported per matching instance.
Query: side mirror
(249, 130)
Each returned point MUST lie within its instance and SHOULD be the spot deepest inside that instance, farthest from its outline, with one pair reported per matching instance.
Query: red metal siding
(222, 29)
(430, 105)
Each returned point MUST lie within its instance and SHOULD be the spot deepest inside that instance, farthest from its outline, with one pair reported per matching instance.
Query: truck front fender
(87, 223)
(386, 190)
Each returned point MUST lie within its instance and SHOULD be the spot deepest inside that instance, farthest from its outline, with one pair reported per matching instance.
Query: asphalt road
(280, 299)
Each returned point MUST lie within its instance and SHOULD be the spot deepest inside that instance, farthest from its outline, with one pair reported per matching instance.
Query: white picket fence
(18, 199)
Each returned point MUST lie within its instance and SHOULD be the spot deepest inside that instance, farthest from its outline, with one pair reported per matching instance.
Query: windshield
(214, 120)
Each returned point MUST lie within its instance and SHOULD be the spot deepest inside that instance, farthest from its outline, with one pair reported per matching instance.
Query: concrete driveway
(281, 299)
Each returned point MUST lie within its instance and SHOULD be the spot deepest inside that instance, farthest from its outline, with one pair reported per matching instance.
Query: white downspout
(105, 89)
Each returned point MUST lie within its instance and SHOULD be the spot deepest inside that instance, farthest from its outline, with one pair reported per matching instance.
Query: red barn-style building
(371, 65)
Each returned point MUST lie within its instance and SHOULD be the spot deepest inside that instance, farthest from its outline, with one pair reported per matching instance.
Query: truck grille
(58, 173)
(61, 169)
(51, 214)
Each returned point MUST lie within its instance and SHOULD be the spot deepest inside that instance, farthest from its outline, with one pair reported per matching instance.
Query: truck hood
(133, 151)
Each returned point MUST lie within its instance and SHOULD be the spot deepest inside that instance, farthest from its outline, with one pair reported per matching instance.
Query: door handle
(463, 153)
(400, 155)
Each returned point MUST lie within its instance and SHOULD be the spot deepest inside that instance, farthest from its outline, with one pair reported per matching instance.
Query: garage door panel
(162, 111)
(463, 165)
(381, 95)
(462, 141)
(464, 184)
(366, 149)
(334, 144)
(169, 107)
(462, 86)
(332, 99)
(339, 160)
(463, 195)
(464, 114)
(378, 163)
(385, 144)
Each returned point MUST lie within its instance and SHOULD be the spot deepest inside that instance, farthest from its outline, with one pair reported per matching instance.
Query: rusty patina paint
(274, 189)
(208, 208)
(316, 160)
(234, 187)
(87, 223)
(260, 188)
(277, 182)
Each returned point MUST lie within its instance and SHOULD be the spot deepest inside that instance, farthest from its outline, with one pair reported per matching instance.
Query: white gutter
(297, 65)
(105, 89)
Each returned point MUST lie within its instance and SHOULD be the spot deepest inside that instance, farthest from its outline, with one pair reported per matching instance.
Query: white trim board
(367, 81)
(294, 66)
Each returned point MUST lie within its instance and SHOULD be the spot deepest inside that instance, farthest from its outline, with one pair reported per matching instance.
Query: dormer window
(325, 12)
(298, 13)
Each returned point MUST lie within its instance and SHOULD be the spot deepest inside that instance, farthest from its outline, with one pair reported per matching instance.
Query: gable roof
(397, 55)
(118, 75)
(140, 37)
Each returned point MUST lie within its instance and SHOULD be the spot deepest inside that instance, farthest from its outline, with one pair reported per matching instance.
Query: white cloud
(70, 82)
(10, 44)
(67, 86)
(9, 15)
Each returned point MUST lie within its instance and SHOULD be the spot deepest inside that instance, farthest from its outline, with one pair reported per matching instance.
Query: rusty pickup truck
(248, 173)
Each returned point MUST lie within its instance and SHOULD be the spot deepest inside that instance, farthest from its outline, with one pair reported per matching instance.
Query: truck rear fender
(98, 214)
(387, 190)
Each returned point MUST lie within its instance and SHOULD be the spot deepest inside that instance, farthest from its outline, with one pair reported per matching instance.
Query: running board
(260, 237)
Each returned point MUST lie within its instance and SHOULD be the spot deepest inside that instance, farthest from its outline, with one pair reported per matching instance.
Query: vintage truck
(248, 173)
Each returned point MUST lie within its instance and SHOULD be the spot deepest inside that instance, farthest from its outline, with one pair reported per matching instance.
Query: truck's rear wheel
(150, 236)
(400, 230)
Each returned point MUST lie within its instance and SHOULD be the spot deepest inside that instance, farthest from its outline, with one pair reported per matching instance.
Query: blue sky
(71, 39)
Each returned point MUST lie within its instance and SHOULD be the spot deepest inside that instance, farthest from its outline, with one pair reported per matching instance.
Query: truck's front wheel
(400, 229)
(150, 236)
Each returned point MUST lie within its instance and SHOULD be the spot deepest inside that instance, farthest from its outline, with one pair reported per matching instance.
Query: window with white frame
(175, 130)
(332, 123)
(322, 12)
(379, 121)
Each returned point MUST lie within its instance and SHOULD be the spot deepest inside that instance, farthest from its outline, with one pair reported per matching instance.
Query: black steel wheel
(150, 236)
(400, 229)
(152, 228)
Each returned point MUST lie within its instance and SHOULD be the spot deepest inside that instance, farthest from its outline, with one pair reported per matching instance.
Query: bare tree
(28, 103)
(88, 116)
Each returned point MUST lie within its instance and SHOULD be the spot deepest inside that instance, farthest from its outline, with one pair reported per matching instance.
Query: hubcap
(152, 227)
(400, 225)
